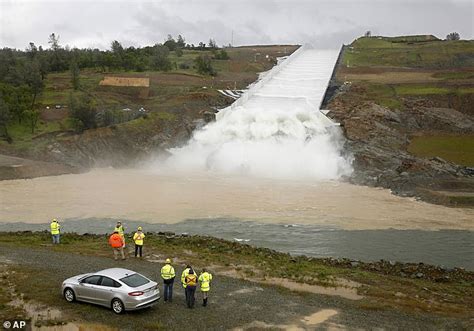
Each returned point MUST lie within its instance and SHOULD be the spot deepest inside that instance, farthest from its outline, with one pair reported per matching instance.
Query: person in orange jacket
(116, 242)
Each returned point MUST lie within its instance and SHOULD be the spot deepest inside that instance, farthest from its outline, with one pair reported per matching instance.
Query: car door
(87, 289)
(107, 290)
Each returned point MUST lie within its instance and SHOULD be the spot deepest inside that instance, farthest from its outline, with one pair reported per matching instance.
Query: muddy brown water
(312, 218)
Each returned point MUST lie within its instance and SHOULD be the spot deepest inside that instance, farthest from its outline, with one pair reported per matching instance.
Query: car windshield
(135, 280)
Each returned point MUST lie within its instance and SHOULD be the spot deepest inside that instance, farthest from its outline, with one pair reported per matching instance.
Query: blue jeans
(55, 238)
(168, 291)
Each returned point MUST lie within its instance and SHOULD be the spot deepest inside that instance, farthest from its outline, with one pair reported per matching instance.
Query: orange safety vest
(191, 280)
(116, 240)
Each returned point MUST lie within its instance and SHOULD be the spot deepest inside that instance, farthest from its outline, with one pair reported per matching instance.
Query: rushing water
(275, 130)
(451, 248)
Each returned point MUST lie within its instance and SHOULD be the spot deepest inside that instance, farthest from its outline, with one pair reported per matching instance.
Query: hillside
(406, 105)
(175, 102)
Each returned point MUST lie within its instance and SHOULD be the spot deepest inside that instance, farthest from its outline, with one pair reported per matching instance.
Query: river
(328, 218)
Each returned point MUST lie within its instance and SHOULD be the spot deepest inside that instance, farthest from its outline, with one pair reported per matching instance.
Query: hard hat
(168, 261)
(139, 228)
(54, 220)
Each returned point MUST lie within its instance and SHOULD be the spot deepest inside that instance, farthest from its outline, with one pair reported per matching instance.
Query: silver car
(116, 288)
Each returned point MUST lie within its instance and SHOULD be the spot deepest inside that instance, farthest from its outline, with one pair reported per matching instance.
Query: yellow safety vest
(167, 272)
(138, 238)
(205, 280)
(54, 227)
(119, 230)
(183, 276)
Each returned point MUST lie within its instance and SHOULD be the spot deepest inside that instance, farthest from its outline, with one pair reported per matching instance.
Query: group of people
(189, 278)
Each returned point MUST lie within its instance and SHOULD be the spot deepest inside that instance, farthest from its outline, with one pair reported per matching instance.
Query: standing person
(191, 282)
(205, 281)
(116, 242)
(183, 279)
(138, 239)
(119, 228)
(55, 230)
(168, 275)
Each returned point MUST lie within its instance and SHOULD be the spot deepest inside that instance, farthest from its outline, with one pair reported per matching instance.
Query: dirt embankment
(20, 168)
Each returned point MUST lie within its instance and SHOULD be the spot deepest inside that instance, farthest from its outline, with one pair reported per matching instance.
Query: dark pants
(138, 250)
(190, 290)
(168, 291)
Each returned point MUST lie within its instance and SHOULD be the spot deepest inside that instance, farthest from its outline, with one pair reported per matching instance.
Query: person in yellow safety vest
(55, 230)
(191, 283)
(168, 275)
(138, 239)
(183, 279)
(205, 283)
(120, 230)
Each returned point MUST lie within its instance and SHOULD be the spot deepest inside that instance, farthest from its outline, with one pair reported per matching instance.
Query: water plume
(275, 129)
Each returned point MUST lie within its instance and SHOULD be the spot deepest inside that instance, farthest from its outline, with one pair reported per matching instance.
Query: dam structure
(276, 128)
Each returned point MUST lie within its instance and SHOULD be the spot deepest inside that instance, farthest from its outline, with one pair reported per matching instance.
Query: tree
(453, 36)
(178, 52)
(221, 55)
(170, 43)
(160, 60)
(56, 61)
(74, 69)
(368, 34)
(212, 44)
(5, 117)
(202, 46)
(53, 41)
(180, 42)
(83, 112)
(204, 65)
(31, 50)
(33, 80)
(32, 116)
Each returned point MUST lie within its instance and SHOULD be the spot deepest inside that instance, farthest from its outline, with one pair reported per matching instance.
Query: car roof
(115, 272)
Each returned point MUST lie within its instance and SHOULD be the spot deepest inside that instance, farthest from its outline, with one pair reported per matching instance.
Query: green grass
(455, 75)
(408, 89)
(457, 149)
(369, 52)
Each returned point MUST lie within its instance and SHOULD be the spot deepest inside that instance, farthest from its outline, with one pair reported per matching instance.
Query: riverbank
(248, 281)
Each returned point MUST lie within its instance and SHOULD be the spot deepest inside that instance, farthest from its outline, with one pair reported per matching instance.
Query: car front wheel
(69, 295)
(117, 306)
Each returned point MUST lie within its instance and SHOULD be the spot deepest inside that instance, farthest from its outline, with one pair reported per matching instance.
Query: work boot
(204, 302)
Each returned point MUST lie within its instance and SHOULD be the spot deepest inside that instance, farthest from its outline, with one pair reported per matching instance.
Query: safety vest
(138, 238)
(54, 227)
(167, 272)
(183, 276)
(116, 240)
(191, 280)
(205, 280)
(119, 229)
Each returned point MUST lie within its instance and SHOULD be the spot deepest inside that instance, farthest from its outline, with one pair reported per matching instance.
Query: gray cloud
(327, 23)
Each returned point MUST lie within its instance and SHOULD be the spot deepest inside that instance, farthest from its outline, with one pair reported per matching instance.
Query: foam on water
(275, 129)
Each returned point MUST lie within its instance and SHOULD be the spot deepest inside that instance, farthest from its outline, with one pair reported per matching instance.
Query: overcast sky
(327, 23)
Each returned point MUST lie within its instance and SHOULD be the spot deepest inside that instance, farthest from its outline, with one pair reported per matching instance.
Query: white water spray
(275, 129)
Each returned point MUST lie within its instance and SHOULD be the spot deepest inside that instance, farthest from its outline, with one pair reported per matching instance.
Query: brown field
(125, 81)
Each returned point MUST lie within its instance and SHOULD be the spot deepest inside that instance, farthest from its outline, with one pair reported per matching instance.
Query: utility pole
(232, 39)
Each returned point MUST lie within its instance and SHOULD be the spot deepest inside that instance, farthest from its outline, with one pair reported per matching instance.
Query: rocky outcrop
(378, 138)
(118, 146)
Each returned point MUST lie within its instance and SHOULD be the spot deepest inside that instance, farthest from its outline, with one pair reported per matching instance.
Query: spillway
(275, 129)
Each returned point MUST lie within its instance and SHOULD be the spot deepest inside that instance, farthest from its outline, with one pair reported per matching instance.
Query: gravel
(233, 303)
